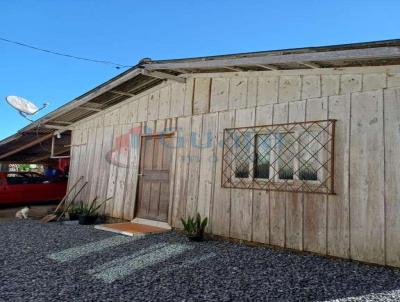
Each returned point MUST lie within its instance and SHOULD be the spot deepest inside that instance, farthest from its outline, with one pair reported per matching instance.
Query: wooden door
(154, 177)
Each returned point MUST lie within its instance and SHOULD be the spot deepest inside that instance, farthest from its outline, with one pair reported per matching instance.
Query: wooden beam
(233, 69)
(57, 127)
(267, 67)
(137, 88)
(62, 122)
(182, 70)
(351, 54)
(122, 93)
(90, 108)
(49, 156)
(310, 64)
(163, 76)
(140, 87)
(28, 145)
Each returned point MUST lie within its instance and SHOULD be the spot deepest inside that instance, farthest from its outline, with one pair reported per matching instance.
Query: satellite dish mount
(23, 106)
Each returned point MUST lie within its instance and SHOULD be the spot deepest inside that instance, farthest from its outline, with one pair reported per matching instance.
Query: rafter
(26, 146)
(163, 76)
(310, 64)
(122, 93)
(267, 67)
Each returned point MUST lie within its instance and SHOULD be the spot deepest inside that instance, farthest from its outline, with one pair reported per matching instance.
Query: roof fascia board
(307, 49)
(352, 54)
(297, 72)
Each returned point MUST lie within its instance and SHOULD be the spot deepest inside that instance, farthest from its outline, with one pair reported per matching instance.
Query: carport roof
(28, 143)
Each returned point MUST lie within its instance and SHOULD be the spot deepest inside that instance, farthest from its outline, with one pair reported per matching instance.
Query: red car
(29, 187)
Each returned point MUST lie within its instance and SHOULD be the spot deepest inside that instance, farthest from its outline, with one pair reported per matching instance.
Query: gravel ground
(56, 262)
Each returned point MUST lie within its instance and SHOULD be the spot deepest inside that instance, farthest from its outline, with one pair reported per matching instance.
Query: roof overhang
(311, 60)
(31, 143)
(347, 55)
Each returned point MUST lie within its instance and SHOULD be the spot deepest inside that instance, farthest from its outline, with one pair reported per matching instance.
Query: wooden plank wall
(359, 222)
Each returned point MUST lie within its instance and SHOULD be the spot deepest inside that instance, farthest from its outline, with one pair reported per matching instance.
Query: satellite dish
(23, 106)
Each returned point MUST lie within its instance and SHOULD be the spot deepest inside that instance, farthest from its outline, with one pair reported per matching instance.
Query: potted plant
(75, 211)
(194, 227)
(89, 212)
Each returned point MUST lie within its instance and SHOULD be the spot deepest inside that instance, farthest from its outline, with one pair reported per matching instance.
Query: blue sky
(126, 31)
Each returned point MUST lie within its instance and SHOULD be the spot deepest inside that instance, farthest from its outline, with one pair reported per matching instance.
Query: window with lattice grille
(295, 157)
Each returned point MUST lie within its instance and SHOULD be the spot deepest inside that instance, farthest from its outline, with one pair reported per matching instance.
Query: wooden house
(295, 148)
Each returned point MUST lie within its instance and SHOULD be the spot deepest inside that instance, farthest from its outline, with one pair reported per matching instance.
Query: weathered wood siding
(361, 221)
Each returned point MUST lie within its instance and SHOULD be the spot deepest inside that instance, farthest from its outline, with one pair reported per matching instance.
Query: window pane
(243, 155)
(35, 178)
(16, 179)
(262, 156)
(286, 152)
(308, 157)
(294, 157)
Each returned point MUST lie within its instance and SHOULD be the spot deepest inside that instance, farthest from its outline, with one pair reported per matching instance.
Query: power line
(116, 65)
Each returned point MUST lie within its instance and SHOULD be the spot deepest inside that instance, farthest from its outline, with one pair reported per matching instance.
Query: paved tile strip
(120, 268)
(126, 259)
(92, 247)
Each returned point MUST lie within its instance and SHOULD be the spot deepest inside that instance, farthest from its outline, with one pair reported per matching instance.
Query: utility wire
(116, 65)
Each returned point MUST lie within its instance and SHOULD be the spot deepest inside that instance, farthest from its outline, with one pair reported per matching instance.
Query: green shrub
(194, 226)
(88, 209)
(76, 209)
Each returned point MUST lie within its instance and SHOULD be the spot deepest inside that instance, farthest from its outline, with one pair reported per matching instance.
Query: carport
(38, 146)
